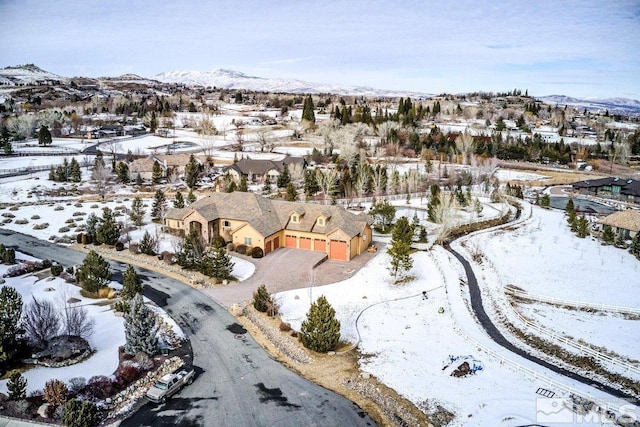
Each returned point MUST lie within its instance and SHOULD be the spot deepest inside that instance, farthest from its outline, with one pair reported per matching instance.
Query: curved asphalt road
(237, 383)
(496, 335)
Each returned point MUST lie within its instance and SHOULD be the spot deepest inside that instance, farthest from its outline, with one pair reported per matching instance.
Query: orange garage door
(320, 245)
(290, 242)
(305, 243)
(338, 250)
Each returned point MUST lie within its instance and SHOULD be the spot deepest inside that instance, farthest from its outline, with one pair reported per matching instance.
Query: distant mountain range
(31, 74)
(230, 79)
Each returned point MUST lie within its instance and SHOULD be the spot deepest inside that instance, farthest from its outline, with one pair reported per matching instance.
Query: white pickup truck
(169, 384)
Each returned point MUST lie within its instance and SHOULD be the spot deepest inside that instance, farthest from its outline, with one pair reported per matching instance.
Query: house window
(247, 241)
(226, 223)
(320, 221)
(294, 218)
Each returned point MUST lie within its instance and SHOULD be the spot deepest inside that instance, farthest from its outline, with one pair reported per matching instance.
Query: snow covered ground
(406, 342)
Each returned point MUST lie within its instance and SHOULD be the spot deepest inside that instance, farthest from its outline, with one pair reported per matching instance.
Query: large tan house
(253, 220)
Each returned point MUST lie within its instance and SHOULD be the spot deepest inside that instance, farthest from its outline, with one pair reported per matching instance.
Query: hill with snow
(28, 75)
(230, 79)
(624, 106)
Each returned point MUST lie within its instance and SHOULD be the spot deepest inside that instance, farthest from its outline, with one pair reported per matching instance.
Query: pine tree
(10, 323)
(156, 173)
(635, 245)
(147, 244)
(131, 284)
(191, 197)
(321, 330)
(291, 194)
(44, 136)
(582, 226)
(192, 250)
(307, 110)
(192, 172)
(403, 230)
(267, 185)
(80, 413)
(94, 273)
(76, 173)
(140, 328)
(178, 201)
(159, 205)
(99, 160)
(243, 186)
(216, 263)
(122, 173)
(284, 178)
(607, 235)
(136, 215)
(262, 300)
(17, 386)
(108, 231)
(434, 202)
(400, 254)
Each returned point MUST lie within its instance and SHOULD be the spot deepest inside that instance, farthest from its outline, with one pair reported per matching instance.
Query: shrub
(80, 413)
(41, 226)
(79, 238)
(7, 221)
(263, 302)
(127, 375)
(241, 249)
(78, 214)
(46, 263)
(71, 221)
(168, 257)
(218, 242)
(119, 246)
(78, 205)
(94, 206)
(134, 248)
(285, 327)
(59, 208)
(34, 217)
(22, 221)
(231, 247)
(55, 392)
(121, 306)
(64, 230)
(8, 215)
(14, 208)
(9, 256)
(56, 270)
(257, 252)
(99, 387)
(104, 292)
(77, 384)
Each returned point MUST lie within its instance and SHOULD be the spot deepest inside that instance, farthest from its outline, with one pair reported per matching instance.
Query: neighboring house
(623, 223)
(627, 190)
(257, 171)
(253, 220)
(168, 162)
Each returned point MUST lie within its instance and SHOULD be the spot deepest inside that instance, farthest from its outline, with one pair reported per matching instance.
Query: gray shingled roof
(628, 220)
(270, 216)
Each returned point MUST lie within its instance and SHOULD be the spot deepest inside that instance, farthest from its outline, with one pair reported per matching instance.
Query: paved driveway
(286, 269)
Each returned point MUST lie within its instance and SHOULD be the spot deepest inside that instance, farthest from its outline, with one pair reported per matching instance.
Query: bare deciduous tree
(41, 321)
(101, 176)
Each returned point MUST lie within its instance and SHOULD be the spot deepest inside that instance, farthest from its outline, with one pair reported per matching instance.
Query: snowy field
(407, 343)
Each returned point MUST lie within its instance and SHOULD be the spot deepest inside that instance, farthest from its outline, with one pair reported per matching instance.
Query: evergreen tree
(191, 197)
(192, 172)
(243, 186)
(267, 185)
(98, 161)
(321, 330)
(122, 173)
(635, 245)
(193, 249)
(92, 226)
(400, 249)
(159, 205)
(423, 234)
(10, 323)
(136, 215)
(307, 110)
(131, 284)
(608, 238)
(44, 136)
(383, 212)
(148, 244)
(156, 173)
(76, 173)
(94, 273)
(311, 186)
(434, 202)
(178, 201)
(216, 263)
(262, 300)
(138, 179)
(545, 201)
(403, 230)
(17, 386)
(284, 178)
(291, 194)
(140, 328)
(582, 227)
(108, 231)
(80, 413)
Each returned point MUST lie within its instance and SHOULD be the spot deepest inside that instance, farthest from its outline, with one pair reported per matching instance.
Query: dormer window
(294, 218)
(321, 221)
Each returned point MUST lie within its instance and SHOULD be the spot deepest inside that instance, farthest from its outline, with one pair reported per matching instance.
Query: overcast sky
(587, 48)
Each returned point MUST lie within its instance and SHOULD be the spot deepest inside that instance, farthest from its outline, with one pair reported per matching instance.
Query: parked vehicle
(169, 384)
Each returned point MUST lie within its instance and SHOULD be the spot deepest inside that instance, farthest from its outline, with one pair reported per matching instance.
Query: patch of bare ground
(338, 372)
